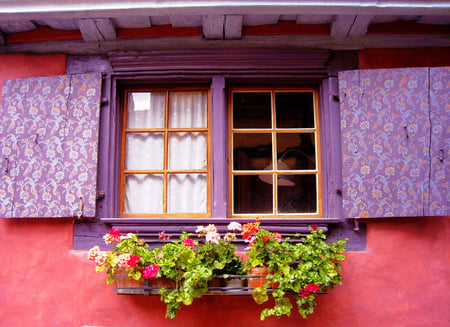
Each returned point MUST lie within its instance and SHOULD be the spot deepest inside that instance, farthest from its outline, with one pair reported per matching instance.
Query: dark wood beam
(250, 41)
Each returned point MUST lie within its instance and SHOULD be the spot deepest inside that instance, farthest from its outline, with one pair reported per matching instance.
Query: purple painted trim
(219, 148)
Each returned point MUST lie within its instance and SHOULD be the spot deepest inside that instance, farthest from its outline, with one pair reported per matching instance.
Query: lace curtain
(186, 150)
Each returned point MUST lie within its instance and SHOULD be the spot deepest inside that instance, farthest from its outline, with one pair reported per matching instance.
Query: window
(165, 146)
(274, 139)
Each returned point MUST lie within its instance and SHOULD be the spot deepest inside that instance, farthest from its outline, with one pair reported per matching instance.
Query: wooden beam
(62, 24)
(255, 20)
(360, 25)
(341, 25)
(250, 41)
(233, 27)
(98, 29)
(213, 27)
(132, 22)
(16, 26)
(186, 20)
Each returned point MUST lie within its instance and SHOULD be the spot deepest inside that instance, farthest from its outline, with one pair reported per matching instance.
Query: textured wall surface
(400, 280)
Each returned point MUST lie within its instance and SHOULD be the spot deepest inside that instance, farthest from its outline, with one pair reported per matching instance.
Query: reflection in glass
(294, 109)
(251, 195)
(144, 151)
(252, 151)
(296, 151)
(252, 110)
(143, 193)
(301, 197)
(146, 109)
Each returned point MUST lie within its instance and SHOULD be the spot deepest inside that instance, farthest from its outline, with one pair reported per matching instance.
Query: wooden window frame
(273, 130)
(166, 130)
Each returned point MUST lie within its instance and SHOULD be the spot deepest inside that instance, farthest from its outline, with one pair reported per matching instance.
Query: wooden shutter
(440, 141)
(389, 169)
(49, 135)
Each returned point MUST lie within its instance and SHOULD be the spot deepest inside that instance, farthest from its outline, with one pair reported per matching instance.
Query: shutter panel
(386, 142)
(440, 141)
(52, 125)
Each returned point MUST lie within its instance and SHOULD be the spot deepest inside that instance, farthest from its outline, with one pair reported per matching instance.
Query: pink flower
(101, 258)
(122, 260)
(93, 252)
(112, 236)
(188, 242)
(151, 271)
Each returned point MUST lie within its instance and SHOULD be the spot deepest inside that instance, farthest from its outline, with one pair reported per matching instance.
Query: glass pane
(187, 150)
(143, 193)
(300, 196)
(294, 109)
(252, 110)
(296, 151)
(144, 151)
(187, 193)
(146, 109)
(188, 109)
(252, 151)
(252, 195)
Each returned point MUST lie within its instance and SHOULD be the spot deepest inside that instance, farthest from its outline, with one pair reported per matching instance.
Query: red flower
(133, 260)
(314, 227)
(115, 232)
(188, 242)
(309, 290)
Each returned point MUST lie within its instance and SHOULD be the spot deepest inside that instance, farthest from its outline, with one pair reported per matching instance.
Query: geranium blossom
(93, 252)
(112, 236)
(314, 227)
(134, 259)
(212, 237)
(151, 271)
(250, 229)
(309, 290)
(122, 260)
(234, 226)
(188, 242)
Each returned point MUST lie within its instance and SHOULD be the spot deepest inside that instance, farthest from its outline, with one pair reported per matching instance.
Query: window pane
(252, 110)
(294, 109)
(252, 151)
(188, 109)
(187, 193)
(296, 151)
(187, 150)
(300, 196)
(252, 195)
(143, 193)
(146, 109)
(144, 151)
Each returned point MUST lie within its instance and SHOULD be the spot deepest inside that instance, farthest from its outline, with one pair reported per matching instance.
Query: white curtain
(187, 193)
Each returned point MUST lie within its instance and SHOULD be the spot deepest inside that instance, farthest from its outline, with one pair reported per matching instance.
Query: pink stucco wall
(400, 280)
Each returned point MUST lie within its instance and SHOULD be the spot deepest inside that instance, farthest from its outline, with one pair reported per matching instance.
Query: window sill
(149, 228)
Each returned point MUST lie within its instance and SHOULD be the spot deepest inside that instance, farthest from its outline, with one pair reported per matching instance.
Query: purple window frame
(88, 233)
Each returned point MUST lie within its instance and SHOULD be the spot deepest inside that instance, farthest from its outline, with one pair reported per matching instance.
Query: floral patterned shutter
(394, 125)
(48, 140)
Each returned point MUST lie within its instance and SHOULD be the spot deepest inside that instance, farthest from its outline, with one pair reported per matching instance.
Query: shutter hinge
(100, 195)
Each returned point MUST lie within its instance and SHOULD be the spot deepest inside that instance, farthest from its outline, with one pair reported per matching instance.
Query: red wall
(400, 280)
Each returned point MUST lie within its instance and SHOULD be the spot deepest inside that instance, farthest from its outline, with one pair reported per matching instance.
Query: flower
(314, 227)
(151, 271)
(234, 226)
(163, 236)
(212, 237)
(134, 259)
(309, 290)
(96, 255)
(122, 260)
(188, 242)
(112, 236)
